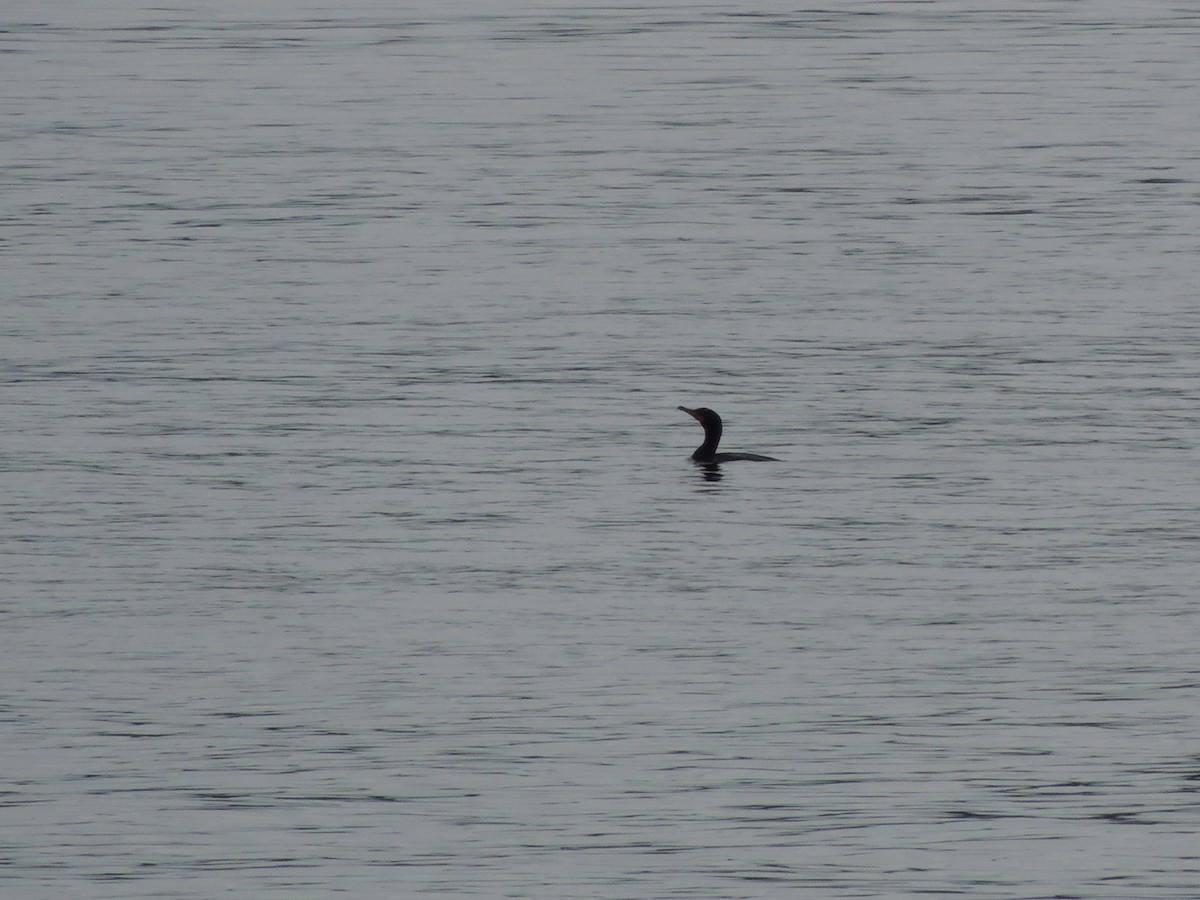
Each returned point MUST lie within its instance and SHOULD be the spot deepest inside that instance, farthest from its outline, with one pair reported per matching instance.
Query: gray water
(350, 539)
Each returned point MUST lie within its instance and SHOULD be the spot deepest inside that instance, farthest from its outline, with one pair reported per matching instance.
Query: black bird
(707, 452)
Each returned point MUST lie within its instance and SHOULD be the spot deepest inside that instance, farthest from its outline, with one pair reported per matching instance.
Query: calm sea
(350, 542)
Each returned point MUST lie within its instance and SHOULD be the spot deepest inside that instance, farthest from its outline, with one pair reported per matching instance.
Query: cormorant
(707, 452)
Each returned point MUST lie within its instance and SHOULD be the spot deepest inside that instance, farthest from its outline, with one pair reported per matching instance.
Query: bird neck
(712, 437)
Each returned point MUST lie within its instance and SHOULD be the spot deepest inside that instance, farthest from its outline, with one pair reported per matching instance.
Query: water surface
(350, 538)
